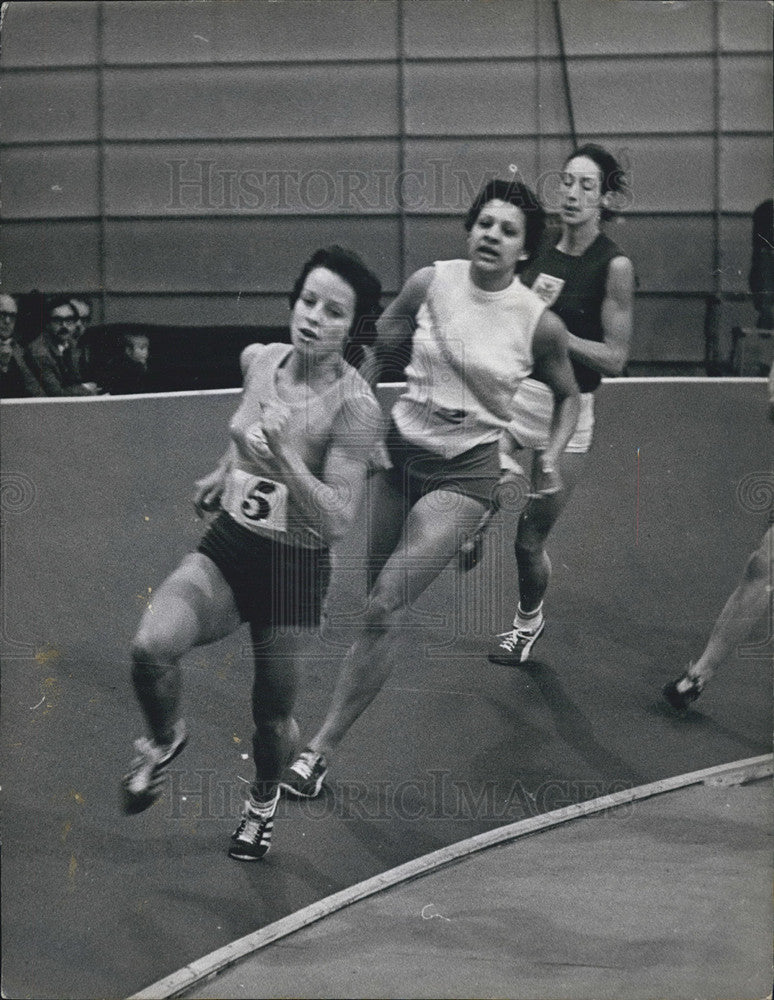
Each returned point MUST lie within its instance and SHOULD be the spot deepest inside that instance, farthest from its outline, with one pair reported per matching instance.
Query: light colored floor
(665, 898)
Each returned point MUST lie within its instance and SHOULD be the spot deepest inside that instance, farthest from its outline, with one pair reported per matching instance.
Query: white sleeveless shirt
(470, 351)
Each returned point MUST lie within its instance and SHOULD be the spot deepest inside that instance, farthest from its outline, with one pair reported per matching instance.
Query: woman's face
(323, 313)
(581, 191)
(496, 239)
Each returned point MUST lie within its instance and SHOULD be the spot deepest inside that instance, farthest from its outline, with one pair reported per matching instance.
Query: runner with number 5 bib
(288, 486)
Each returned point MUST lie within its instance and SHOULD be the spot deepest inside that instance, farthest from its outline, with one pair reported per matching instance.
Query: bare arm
(552, 366)
(329, 503)
(209, 489)
(609, 357)
(397, 323)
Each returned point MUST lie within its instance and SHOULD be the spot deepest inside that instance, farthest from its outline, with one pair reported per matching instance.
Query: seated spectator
(81, 350)
(8, 313)
(29, 322)
(49, 356)
(127, 372)
(16, 380)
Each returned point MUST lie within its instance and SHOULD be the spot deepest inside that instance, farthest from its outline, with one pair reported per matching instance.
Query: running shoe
(305, 776)
(682, 692)
(141, 786)
(252, 838)
(515, 647)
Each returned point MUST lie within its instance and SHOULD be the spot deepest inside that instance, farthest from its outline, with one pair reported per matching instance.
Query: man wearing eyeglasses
(50, 356)
(16, 380)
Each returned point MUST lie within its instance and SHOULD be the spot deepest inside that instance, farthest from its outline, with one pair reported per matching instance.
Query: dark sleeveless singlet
(574, 288)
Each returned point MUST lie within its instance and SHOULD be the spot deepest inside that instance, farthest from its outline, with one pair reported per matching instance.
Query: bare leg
(431, 537)
(193, 606)
(743, 609)
(273, 697)
(535, 524)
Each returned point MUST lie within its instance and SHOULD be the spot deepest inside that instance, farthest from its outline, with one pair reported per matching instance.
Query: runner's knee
(529, 542)
(152, 651)
(271, 726)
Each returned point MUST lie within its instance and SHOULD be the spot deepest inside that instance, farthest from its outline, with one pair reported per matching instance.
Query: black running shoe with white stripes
(252, 838)
(684, 691)
(305, 776)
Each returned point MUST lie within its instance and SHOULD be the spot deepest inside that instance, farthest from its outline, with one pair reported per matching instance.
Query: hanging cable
(565, 74)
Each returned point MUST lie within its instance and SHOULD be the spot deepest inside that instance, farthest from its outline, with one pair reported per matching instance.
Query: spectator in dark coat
(16, 380)
(81, 351)
(49, 355)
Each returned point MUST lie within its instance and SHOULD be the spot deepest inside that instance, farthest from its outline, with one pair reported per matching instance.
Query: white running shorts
(534, 406)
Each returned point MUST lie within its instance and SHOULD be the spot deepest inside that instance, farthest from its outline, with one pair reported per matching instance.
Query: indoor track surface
(96, 511)
(668, 897)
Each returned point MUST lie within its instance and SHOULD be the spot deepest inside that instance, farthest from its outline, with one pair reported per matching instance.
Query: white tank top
(470, 351)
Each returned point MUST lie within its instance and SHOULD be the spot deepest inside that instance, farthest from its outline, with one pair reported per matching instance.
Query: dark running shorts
(274, 584)
(416, 472)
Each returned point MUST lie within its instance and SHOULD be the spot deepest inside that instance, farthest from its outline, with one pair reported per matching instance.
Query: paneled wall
(178, 160)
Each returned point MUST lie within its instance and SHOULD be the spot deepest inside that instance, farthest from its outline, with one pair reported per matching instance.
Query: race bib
(548, 288)
(256, 502)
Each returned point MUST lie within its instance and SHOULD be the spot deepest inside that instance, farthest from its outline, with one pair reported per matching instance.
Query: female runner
(477, 332)
(589, 283)
(288, 486)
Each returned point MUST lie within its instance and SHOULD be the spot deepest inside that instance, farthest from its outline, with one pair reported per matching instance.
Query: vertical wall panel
(464, 98)
(745, 172)
(175, 31)
(450, 172)
(234, 309)
(271, 178)
(40, 182)
(443, 28)
(668, 330)
(52, 256)
(254, 255)
(269, 101)
(671, 253)
(49, 34)
(36, 106)
(746, 91)
(433, 238)
(745, 27)
(598, 27)
(640, 95)
(308, 91)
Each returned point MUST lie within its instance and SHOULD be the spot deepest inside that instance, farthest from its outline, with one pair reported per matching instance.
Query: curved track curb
(734, 773)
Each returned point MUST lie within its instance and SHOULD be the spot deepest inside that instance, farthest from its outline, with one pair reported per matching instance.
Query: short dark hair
(364, 283)
(515, 193)
(613, 174)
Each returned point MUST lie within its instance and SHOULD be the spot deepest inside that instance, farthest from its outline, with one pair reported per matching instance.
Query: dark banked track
(96, 510)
